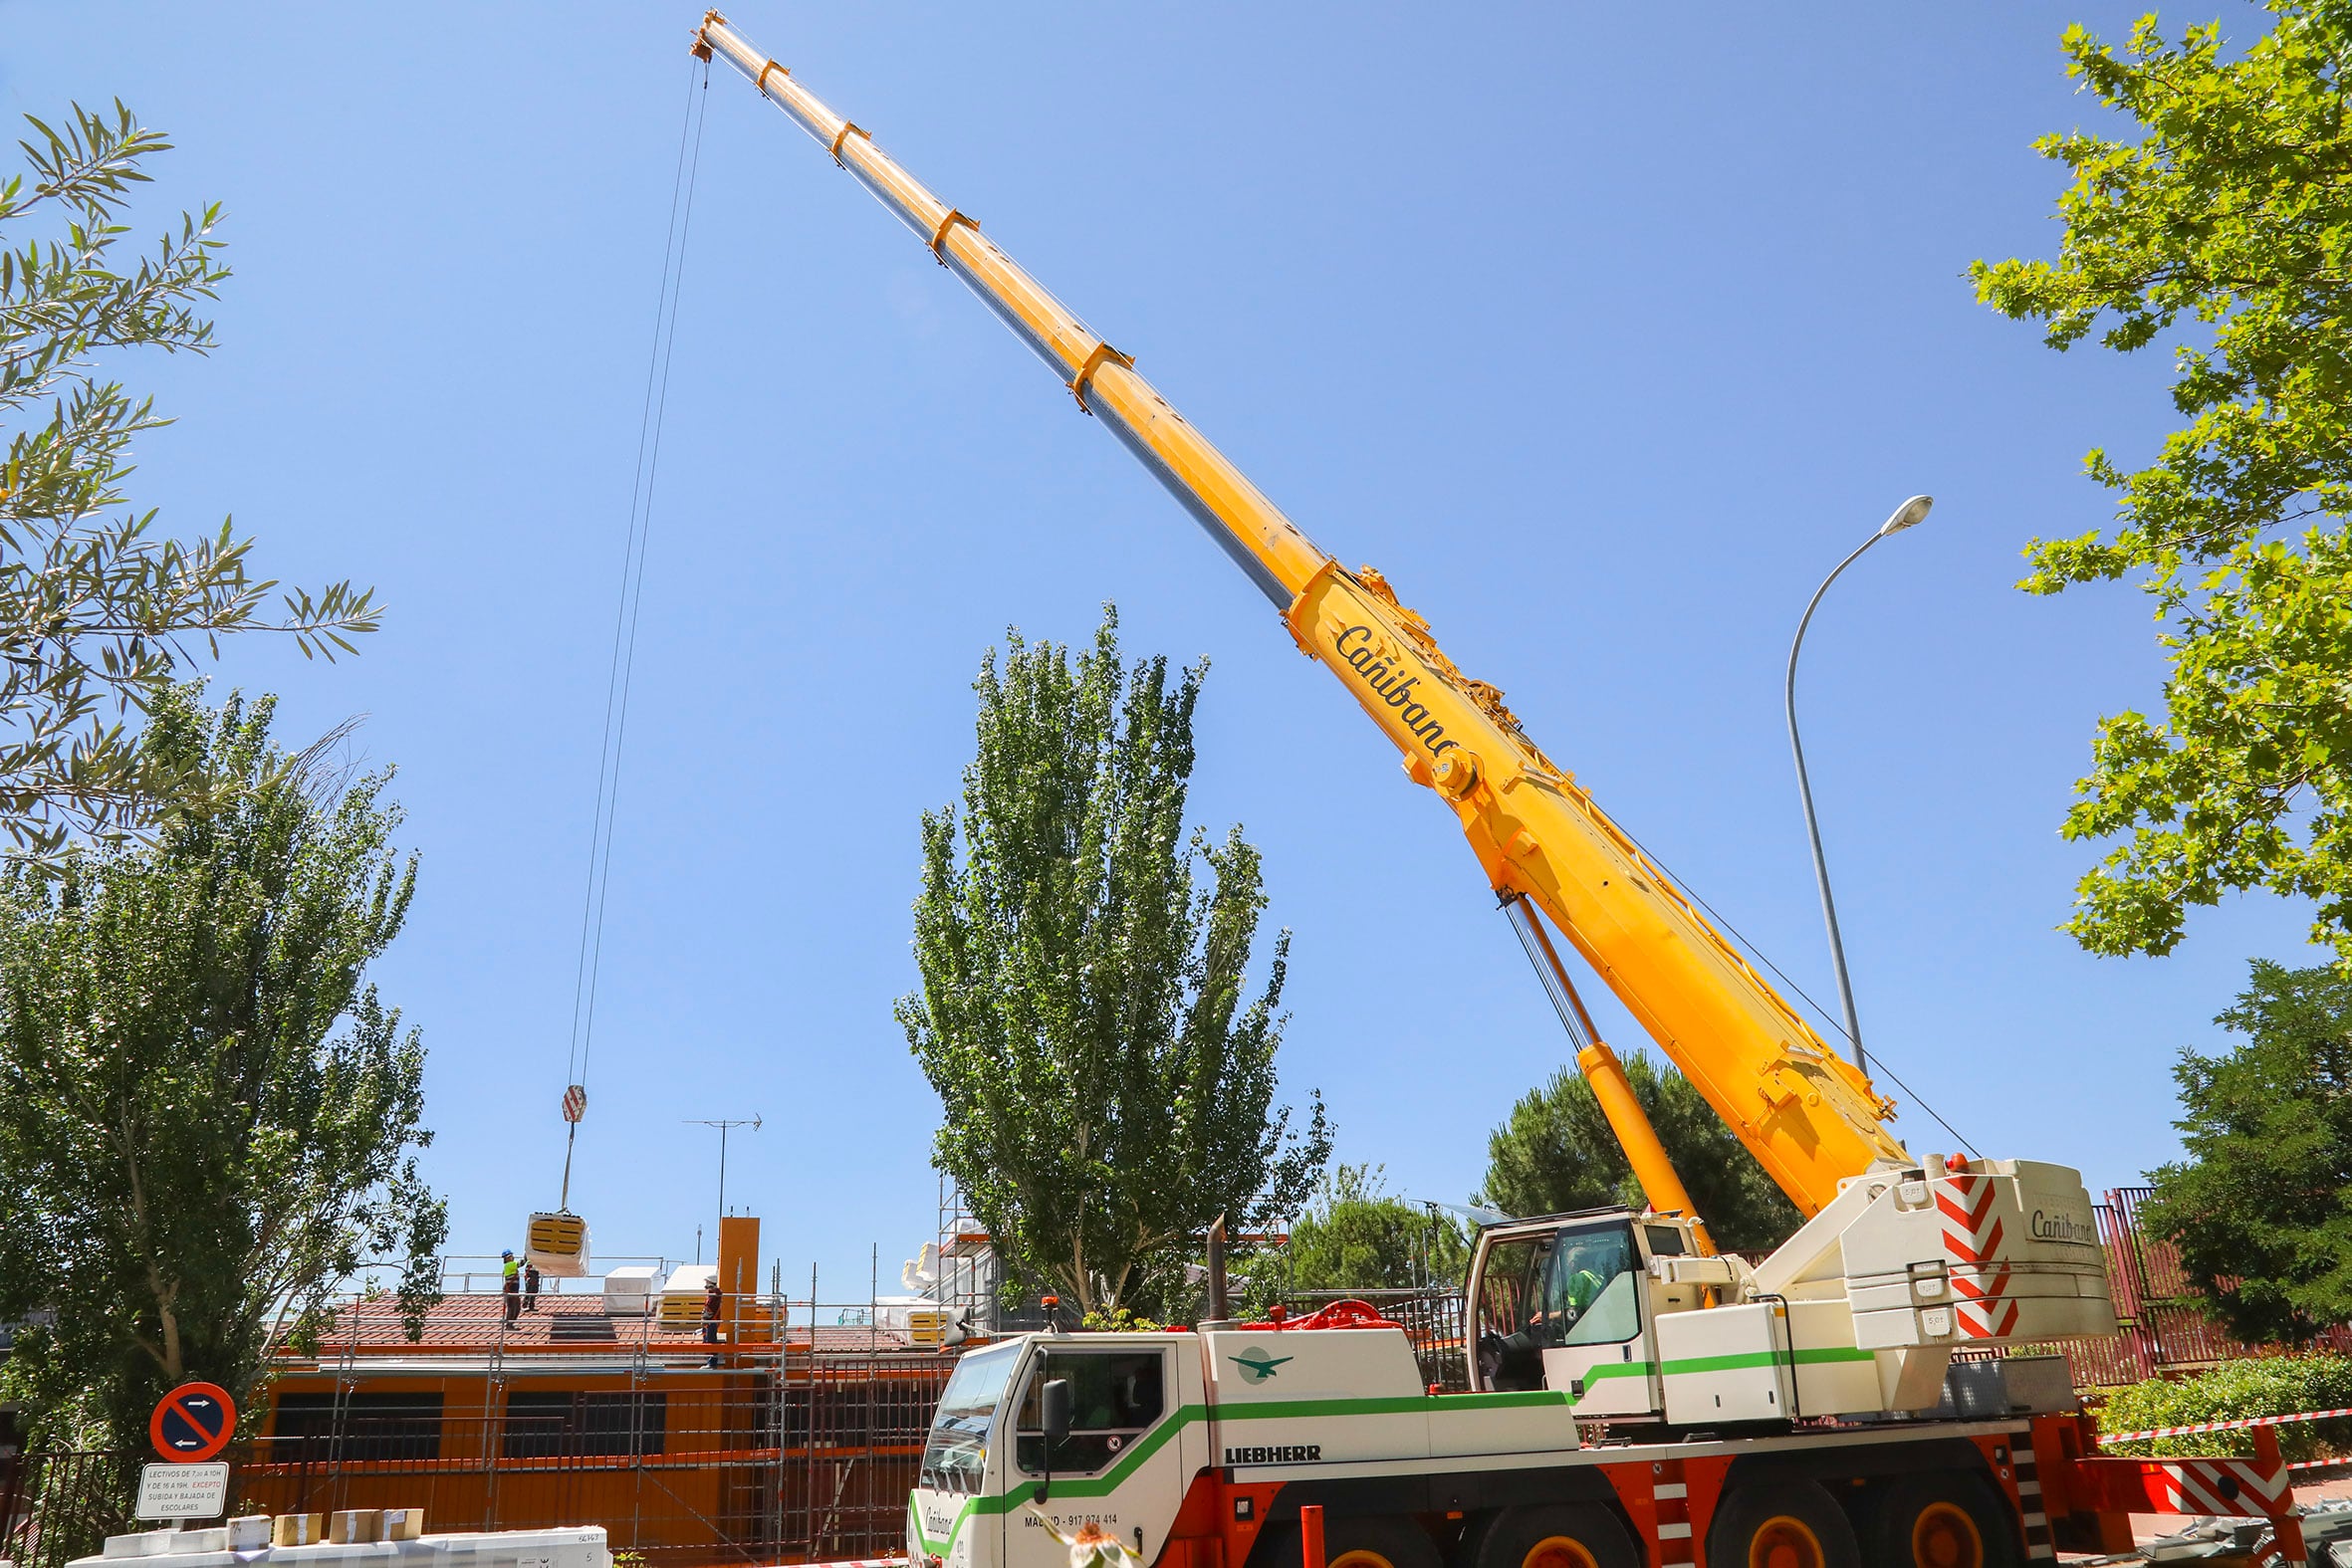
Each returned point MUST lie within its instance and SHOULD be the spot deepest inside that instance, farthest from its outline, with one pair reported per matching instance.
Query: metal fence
(2164, 1327)
(59, 1506)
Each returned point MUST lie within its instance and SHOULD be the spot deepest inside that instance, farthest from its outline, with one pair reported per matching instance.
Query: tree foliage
(2263, 1207)
(1357, 1236)
(1556, 1154)
(98, 613)
(207, 1118)
(2224, 231)
(1107, 1092)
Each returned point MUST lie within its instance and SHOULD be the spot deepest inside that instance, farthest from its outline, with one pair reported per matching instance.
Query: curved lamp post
(1910, 513)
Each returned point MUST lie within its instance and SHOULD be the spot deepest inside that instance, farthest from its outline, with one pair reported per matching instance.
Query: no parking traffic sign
(192, 1423)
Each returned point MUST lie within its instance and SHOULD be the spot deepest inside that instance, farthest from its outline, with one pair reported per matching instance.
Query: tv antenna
(725, 1127)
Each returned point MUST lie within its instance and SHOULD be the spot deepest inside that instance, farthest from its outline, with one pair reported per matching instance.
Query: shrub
(2256, 1386)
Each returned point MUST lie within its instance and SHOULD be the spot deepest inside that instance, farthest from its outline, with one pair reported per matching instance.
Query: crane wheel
(1781, 1521)
(1556, 1535)
(1378, 1540)
(1949, 1519)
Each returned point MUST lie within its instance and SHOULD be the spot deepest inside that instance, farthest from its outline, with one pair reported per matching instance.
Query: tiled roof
(371, 1326)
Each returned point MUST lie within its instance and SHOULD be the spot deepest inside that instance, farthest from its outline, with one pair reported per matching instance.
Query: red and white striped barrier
(2224, 1426)
(2221, 1486)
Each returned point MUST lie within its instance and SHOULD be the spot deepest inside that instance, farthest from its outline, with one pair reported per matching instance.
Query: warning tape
(2224, 1426)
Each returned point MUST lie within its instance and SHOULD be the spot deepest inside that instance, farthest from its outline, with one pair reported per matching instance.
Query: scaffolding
(795, 1437)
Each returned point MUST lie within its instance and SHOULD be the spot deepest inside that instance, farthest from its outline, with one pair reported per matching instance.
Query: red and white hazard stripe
(2225, 1426)
(1971, 1231)
(1980, 1275)
(2220, 1486)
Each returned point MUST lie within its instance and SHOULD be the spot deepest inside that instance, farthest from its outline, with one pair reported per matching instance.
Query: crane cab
(1571, 1301)
(557, 1244)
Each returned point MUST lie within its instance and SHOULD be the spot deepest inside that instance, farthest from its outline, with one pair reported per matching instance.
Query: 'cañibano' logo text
(1393, 687)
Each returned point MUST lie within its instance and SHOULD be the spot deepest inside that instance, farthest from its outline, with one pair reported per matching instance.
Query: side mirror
(1055, 1406)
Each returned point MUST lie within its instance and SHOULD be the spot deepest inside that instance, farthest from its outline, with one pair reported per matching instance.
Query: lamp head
(1909, 515)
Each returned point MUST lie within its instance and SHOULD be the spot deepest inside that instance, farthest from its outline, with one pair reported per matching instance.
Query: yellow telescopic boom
(1808, 1114)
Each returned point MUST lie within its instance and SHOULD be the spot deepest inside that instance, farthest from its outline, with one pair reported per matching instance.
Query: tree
(1354, 1235)
(194, 1152)
(1556, 1154)
(2262, 1208)
(97, 615)
(1107, 1091)
(2224, 231)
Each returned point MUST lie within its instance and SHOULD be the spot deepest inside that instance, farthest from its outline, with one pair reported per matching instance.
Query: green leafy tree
(2262, 1208)
(207, 1118)
(1556, 1153)
(1108, 1090)
(97, 614)
(2223, 232)
(1357, 1236)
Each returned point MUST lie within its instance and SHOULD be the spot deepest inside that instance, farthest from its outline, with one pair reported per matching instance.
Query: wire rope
(1819, 1011)
(622, 670)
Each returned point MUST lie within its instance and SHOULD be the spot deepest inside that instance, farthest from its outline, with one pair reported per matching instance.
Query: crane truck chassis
(1197, 1448)
(1802, 1412)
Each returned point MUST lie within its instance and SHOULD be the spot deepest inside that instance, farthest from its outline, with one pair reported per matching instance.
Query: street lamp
(1909, 514)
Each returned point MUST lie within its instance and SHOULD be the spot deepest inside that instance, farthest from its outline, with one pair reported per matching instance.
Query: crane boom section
(1809, 1116)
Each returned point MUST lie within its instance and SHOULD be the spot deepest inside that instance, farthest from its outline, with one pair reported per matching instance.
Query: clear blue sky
(1604, 336)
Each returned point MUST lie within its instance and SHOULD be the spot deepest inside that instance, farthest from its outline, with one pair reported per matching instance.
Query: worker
(511, 1284)
(711, 1301)
(530, 1288)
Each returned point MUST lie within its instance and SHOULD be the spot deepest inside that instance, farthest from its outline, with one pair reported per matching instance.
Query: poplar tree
(1106, 1071)
(208, 1118)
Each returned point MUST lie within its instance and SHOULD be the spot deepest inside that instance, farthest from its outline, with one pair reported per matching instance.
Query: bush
(2257, 1386)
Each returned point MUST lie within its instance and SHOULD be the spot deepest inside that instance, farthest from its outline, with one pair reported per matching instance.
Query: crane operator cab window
(1116, 1397)
(1592, 1289)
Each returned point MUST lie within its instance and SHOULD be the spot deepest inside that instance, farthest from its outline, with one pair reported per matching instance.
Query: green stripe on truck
(1109, 1480)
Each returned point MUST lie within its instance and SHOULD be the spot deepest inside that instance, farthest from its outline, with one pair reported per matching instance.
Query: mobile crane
(1787, 1412)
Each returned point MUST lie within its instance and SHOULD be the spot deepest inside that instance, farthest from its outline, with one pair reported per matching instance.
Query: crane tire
(1358, 1541)
(1781, 1521)
(1377, 1540)
(1942, 1519)
(1556, 1535)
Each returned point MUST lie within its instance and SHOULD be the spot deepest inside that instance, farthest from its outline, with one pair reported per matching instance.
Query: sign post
(191, 1424)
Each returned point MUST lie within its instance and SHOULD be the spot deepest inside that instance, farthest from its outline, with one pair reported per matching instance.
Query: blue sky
(1604, 336)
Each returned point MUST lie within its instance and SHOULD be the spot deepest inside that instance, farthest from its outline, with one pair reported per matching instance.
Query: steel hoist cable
(622, 670)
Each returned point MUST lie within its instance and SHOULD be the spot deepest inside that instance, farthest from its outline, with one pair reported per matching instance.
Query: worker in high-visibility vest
(512, 1285)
